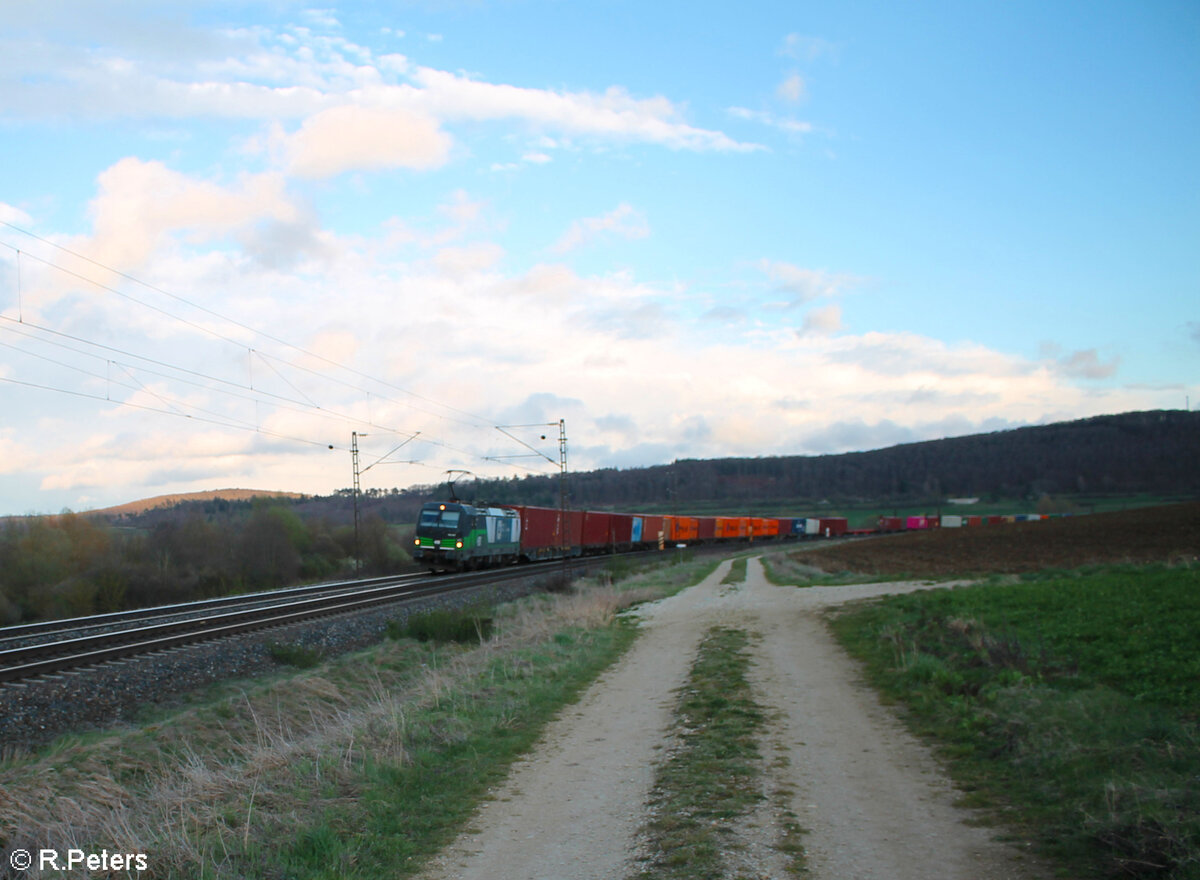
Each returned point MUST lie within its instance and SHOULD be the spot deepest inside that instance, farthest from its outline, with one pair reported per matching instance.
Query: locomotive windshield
(434, 517)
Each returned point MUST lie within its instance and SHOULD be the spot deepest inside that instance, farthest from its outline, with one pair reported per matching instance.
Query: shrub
(460, 625)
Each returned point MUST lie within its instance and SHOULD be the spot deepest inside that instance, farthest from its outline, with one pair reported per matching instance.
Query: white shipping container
(952, 522)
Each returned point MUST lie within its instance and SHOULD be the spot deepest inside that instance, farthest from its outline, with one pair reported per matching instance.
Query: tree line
(1133, 453)
(72, 565)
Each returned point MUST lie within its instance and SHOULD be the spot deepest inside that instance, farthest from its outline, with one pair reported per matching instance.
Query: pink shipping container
(914, 523)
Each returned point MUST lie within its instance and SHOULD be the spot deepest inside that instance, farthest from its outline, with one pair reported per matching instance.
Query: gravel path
(874, 802)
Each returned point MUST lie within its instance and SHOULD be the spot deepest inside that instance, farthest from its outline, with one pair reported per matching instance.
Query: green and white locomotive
(452, 536)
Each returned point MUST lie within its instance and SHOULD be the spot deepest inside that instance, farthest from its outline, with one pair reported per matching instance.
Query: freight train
(451, 535)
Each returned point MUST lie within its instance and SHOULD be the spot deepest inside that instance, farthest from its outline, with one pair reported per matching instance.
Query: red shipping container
(597, 531)
(542, 533)
(622, 529)
(833, 526)
(891, 524)
(706, 527)
(652, 528)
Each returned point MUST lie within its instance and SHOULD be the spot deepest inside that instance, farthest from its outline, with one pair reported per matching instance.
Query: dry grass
(269, 757)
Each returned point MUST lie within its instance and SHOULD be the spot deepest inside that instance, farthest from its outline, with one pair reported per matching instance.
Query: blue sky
(246, 230)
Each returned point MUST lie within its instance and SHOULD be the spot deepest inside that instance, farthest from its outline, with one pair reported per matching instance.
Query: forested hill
(1144, 452)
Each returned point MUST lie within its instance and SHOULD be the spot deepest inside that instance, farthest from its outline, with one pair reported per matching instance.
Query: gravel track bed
(34, 713)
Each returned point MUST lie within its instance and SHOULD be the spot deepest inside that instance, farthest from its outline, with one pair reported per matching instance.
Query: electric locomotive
(452, 536)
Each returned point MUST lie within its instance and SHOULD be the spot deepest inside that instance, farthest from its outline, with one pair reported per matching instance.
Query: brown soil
(1153, 534)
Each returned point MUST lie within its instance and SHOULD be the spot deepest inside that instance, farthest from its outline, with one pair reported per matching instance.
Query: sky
(238, 237)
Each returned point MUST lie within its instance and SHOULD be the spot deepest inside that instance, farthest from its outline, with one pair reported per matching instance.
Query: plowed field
(1154, 534)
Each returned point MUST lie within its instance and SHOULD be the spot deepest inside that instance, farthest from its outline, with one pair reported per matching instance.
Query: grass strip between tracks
(363, 766)
(1068, 699)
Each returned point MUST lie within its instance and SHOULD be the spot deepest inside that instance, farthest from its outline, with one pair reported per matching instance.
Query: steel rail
(96, 621)
(27, 662)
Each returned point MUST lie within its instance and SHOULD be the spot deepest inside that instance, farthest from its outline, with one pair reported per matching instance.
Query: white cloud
(822, 321)
(1086, 364)
(254, 73)
(13, 214)
(624, 221)
(614, 114)
(460, 262)
(141, 204)
(806, 284)
(808, 48)
(790, 126)
(356, 138)
(793, 88)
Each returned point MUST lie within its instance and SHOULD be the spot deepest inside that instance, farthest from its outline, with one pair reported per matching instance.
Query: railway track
(32, 650)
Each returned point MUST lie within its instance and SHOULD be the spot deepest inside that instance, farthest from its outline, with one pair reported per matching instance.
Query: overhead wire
(479, 420)
(307, 404)
(237, 343)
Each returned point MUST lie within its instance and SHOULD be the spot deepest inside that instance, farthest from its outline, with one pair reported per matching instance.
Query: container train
(451, 535)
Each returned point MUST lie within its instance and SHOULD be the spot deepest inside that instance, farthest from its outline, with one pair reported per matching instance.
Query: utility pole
(354, 435)
(562, 491)
(354, 460)
(564, 541)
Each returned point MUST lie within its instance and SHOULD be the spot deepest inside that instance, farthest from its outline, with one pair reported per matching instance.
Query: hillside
(165, 501)
(1154, 453)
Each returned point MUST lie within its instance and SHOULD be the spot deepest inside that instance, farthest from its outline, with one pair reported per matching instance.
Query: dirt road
(873, 801)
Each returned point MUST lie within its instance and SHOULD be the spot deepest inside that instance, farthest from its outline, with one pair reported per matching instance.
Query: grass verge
(712, 778)
(1069, 700)
(736, 573)
(362, 766)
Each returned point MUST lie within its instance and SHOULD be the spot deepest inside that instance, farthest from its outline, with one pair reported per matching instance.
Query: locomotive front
(440, 536)
(451, 535)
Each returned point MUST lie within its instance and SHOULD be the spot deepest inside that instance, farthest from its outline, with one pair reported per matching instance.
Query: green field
(1069, 702)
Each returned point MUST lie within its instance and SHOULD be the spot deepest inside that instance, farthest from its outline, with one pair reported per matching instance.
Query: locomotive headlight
(458, 544)
(417, 541)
